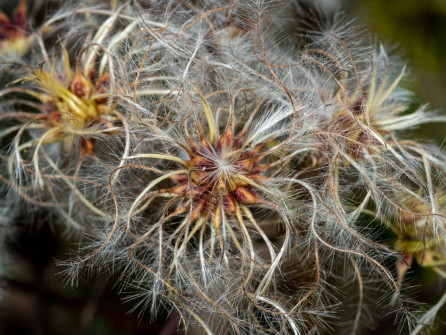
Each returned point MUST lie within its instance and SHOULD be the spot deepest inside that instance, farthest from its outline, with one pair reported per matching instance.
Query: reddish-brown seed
(246, 196)
(229, 204)
(198, 209)
(80, 86)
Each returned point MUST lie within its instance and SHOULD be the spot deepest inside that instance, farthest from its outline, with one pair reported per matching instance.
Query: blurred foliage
(418, 29)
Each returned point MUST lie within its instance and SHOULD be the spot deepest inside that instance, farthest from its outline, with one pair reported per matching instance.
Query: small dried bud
(80, 86)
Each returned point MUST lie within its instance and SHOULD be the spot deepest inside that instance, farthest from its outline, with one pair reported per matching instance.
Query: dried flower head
(14, 34)
(61, 115)
(222, 174)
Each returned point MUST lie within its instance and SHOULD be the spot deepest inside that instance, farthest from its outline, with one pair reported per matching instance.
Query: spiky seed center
(221, 176)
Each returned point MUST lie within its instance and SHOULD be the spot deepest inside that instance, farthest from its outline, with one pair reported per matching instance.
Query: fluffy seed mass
(230, 172)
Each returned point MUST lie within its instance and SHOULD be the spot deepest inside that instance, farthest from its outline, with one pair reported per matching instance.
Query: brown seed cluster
(220, 175)
(81, 104)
